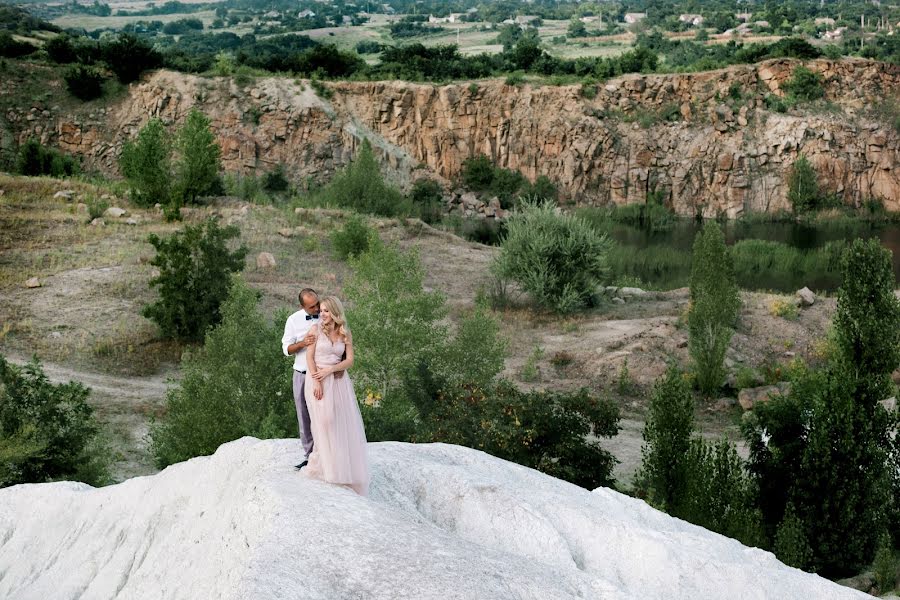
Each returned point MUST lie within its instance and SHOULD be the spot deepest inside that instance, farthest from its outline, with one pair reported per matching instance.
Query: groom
(294, 342)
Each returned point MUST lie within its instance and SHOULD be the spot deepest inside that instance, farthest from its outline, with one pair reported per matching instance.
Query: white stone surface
(442, 522)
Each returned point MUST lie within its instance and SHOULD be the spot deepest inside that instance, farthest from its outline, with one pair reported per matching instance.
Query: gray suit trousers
(302, 412)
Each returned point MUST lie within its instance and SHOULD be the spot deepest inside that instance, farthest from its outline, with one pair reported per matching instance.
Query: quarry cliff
(706, 143)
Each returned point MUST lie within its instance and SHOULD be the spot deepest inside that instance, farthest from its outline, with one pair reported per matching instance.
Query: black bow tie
(311, 317)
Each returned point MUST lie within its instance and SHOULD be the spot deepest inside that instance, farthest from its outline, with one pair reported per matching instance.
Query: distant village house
(632, 18)
(694, 20)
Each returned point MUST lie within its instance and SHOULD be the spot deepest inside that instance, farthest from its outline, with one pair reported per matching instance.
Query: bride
(339, 454)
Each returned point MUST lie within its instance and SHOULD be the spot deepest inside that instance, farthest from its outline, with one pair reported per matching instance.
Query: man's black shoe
(301, 465)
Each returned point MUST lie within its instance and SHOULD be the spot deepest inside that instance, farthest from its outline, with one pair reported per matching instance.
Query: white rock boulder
(442, 522)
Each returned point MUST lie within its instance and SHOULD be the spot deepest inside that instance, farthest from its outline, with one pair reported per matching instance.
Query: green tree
(803, 187)
(237, 384)
(715, 305)
(841, 489)
(146, 165)
(867, 320)
(197, 163)
(391, 316)
(47, 431)
(361, 186)
(667, 434)
(558, 259)
(194, 279)
(128, 56)
(353, 238)
(576, 29)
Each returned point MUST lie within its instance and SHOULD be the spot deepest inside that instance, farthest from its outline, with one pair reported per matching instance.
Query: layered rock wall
(704, 142)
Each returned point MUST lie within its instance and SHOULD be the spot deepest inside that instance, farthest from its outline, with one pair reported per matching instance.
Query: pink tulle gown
(339, 440)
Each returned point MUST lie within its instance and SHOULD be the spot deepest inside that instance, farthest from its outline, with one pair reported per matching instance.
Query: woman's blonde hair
(338, 319)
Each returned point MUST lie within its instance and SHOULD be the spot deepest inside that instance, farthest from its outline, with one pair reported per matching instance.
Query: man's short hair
(306, 292)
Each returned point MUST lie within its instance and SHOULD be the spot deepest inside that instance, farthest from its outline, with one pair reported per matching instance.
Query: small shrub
(561, 360)
(47, 431)
(746, 378)
(34, 159)
(625, 384)
(791, 546)
(885, 566)
(195, 265)
(85, 82)
(361, 186)
(803, 186)
(322, 90)
(427, 199)
(805, 85)
(542, 188)
(275, 180)
(515, 78)
(96, 208)
(473, 88)
(353, 239)
(128, 56)
(553, 432)
(775, 103)
(558, 259)
(478, 172)
(589, 91)
(786, 309)
(531, 372)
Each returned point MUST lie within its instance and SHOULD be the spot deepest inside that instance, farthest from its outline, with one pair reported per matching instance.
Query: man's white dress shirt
(295, 329)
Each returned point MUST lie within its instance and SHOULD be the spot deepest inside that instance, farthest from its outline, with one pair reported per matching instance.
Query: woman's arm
(311, 351)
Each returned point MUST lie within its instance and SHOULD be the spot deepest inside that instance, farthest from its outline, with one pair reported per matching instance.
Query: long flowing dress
(339, 439)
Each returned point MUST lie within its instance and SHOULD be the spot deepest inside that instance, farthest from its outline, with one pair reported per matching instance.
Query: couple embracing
(331, 427)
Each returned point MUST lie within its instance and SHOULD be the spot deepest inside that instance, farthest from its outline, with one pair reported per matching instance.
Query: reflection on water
(809, 238)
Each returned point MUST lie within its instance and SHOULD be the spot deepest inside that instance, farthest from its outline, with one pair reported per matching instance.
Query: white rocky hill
(442, 522)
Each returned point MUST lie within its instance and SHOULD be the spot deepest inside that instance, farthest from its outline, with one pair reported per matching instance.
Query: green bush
(275, 180)
(478, 172)
(885, 566)
(128, 56)
(720, 494)
(146, 165)
(96, 208)
(667, 439)
(427, 196)
(791, 546)
(237, 384)
(715, 305)
(195, 266)
(47, 431)
(542, 188)
(34, 159)
(353, 238)
(360, 186)
(553, 432)
(85, 82)
(803, 187)
(558, 259)
(197, 163)
(804, 85)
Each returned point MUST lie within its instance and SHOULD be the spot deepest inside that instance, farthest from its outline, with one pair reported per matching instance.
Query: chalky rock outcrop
(442, 522)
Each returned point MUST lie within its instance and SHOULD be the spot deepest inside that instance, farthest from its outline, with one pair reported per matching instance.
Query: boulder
(889, 404)
(67, 194)
(286, 232)
(805, 297)
(98, 222)
(115, 212)
(265, 260)
(750, 397)
(32, 283)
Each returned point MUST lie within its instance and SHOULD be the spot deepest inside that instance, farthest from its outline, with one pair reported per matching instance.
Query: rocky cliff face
(705, 141)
